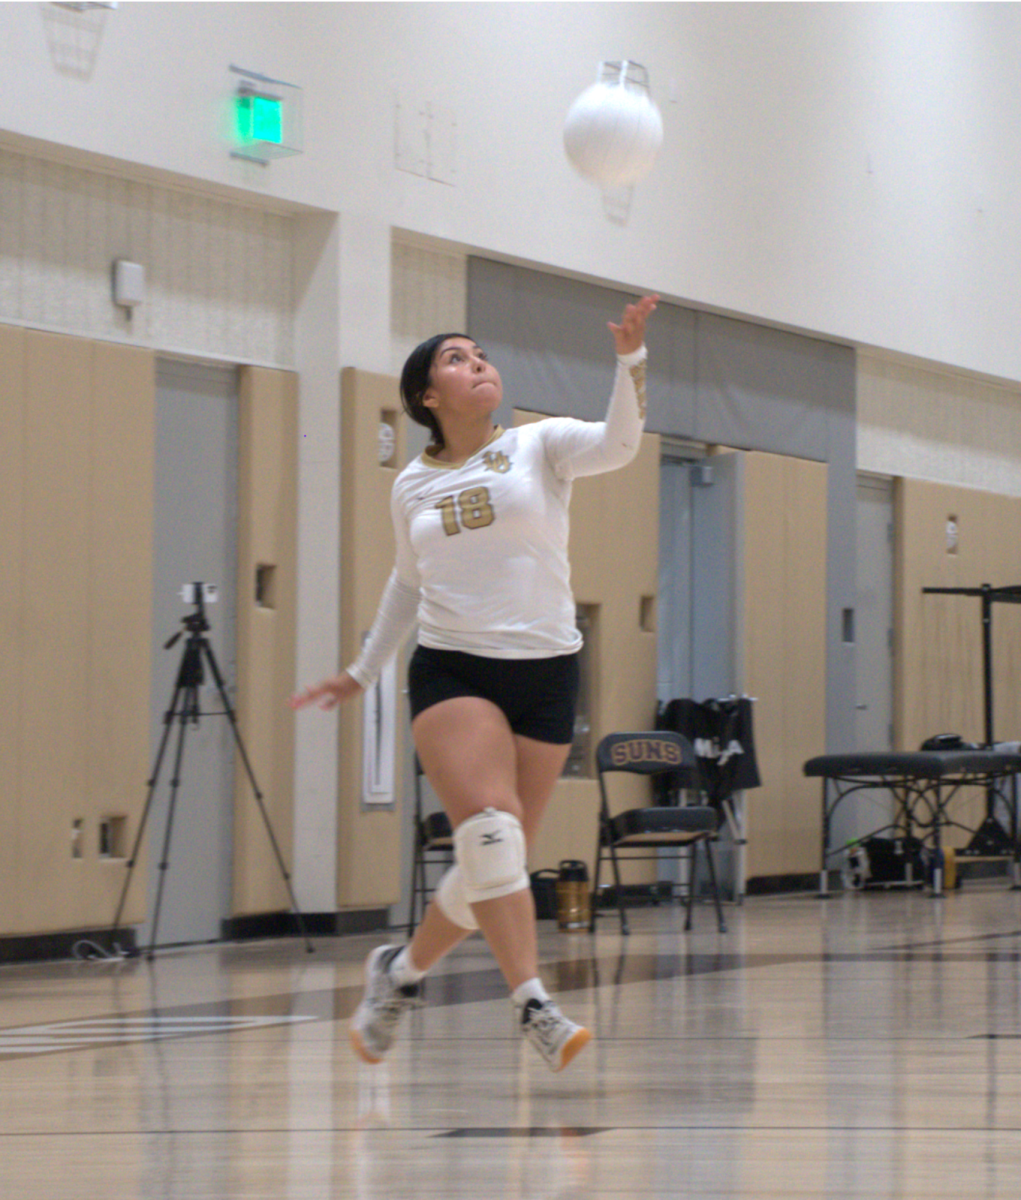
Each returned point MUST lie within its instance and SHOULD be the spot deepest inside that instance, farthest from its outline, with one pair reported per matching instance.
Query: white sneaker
(556, 1038)
(375, 1021)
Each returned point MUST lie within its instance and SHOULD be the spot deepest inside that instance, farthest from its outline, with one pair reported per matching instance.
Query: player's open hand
(329, 693)
(629, 335)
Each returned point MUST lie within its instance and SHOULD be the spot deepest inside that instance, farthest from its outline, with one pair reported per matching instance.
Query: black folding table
(923, 784)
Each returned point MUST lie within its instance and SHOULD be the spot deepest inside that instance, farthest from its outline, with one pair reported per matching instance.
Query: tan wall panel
(784, 655)
(77, 540)
(119, 592)
(266, 633)
(369, 850)
(938, 675)
(805, 665)
(939, 660)
(12, 485)
(764, 651)
(54, 695)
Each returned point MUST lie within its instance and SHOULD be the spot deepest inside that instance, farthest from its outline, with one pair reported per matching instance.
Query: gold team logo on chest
(497, 461)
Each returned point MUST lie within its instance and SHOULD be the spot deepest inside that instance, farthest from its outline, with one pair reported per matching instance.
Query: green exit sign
(266, 118)
(259, 118)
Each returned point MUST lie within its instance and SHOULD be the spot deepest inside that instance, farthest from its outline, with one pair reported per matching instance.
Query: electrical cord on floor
(87, 950)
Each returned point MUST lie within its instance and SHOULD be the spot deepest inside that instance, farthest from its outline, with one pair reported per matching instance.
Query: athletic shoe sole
(359, 1048)
(573, 1047)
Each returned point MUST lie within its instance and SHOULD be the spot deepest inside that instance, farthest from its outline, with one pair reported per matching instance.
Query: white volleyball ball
(613, 133)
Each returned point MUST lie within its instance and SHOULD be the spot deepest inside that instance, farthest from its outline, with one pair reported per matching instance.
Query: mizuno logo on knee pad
(490, 850)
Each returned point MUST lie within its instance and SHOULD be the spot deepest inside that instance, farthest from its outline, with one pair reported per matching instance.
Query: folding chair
(433, 846)
(660, 826)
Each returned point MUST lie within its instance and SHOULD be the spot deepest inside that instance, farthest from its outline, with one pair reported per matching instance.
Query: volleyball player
(481, 526)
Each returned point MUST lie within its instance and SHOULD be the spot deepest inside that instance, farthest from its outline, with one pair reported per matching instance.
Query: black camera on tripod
(185, 710)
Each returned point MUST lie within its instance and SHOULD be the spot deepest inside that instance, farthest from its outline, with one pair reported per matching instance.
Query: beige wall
(928, 422)
(938, 675)
(782, 655)
(428, 294)
(952, 442)
(368, 843)
(76, 528)
(267, 544)
(76, 545)
(938, 653)
(218, 273)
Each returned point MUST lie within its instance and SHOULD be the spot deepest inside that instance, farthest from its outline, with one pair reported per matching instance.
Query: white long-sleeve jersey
(481, 559)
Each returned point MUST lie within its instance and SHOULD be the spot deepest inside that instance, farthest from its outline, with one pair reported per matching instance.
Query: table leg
(903, 801)
(823, 880)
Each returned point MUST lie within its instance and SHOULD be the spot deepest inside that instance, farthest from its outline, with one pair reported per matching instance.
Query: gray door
(673, 618)
(716, 533)
(699, 519)
(874, 615)
(699, 523)
(195, 540)
(873, 635)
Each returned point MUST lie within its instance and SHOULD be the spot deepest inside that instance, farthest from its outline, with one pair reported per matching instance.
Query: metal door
(873, 636)
(195, 540)
(698, 531)
(874, 615)
(673, 604)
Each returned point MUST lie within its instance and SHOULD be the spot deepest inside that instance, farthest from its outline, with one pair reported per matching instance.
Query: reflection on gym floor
(866, 1046)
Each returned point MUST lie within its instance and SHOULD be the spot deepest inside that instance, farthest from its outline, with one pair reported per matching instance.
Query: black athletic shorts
(536, 695)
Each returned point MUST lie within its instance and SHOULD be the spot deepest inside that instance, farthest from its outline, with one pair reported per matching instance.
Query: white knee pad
(451, 899)
(490, 850)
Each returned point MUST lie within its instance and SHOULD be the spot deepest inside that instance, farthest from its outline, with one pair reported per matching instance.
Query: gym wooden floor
(865, 1046)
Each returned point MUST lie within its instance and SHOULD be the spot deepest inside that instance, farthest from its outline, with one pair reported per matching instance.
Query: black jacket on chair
(721, 732)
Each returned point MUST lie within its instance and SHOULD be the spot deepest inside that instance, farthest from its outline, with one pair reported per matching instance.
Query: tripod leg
(168, 720)
(168, 831)
(228, 709)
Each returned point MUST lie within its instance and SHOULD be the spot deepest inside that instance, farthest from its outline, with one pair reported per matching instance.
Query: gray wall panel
(760, 389)
(549, 340)
(675, 412)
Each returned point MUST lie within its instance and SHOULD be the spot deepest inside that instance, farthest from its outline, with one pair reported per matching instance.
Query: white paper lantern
(613, 131)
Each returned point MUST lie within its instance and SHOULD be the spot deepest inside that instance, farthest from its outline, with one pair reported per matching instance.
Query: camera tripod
(184, 710)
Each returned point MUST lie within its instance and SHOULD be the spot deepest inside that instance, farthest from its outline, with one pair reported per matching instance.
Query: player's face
(463, 381)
